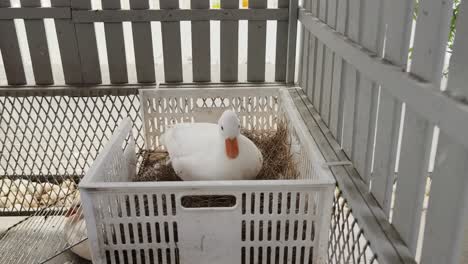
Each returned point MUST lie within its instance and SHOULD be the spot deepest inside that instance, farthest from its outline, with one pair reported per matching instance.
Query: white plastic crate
(275, 221)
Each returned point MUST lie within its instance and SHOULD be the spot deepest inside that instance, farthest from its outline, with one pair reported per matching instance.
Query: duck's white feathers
(197, 152)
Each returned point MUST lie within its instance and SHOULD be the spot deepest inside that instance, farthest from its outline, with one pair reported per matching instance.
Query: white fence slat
(336, 101)
(201, 45)
(68, 46)
(363, 141)
(366, 98)
(303, 58)
(385, 149)
(281, 45)
(115, 46)
(318, 74)
(351, 81)
(11, 53)
(412, 174)
(398, 18)
(292, 41)
(427, 61)
(256, 49)
(171, 45)
(311, 69)
(328, 66)
(143, 45)
(446, 218)
(312, 55)
(320, 59)
(229, 45)
(326, 84)
(87, 46)
(38, 49)
(306, 40)
(349, 93)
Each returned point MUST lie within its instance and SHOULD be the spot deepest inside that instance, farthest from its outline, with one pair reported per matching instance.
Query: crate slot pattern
(297, 210)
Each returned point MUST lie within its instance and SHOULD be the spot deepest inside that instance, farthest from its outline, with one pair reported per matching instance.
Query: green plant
(453, 22)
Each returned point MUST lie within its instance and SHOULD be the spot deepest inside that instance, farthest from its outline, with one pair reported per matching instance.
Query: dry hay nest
(275, 146)
(278, 164)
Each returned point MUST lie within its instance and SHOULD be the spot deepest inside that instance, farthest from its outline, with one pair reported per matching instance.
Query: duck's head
(229, 127)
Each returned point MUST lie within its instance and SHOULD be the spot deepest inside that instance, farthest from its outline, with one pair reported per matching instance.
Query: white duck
(75, 231)
(205, 151)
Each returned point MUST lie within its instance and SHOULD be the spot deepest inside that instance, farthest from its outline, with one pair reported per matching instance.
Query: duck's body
(203, 151)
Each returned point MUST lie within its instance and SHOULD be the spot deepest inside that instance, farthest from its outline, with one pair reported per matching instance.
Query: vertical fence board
(201, 45)
(143, 45)
(366, 98)
(444, 232)
(447, 213)
(171, 45)
(11, 52)
(292, 38)
(351, 81)
(281, 45)
(68, 45)
(312, 55)
(307, 40)
(320, 59)
(37, 41)
(397, 16)
(115, 46)
(87, 46)
(229, 45)
(328, 66)
(427, 62)
(256, 45)
(336, 101)
(304, 56)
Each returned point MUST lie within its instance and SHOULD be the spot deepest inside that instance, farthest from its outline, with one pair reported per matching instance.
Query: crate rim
(325, 179)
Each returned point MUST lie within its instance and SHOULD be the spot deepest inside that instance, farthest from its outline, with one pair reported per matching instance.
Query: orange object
(232, 148)
(245, 3)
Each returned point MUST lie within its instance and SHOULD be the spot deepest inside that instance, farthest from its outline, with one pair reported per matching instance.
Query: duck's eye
(222, 128)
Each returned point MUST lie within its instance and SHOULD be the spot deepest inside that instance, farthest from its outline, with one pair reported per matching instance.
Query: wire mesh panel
(347, 243)
(48, 141)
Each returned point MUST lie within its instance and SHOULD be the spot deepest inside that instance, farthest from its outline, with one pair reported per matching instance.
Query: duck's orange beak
(232, 148)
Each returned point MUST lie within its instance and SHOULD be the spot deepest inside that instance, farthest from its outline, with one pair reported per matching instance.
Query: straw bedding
(275, 146)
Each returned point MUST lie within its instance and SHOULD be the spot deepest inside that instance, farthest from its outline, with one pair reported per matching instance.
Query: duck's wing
(189, 138)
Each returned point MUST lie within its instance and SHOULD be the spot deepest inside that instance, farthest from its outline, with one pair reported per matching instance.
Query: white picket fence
(140, 37)
(387, 116)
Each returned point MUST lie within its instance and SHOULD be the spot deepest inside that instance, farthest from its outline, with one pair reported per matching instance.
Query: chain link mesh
(51, 138)
(55, 137)
(347, 243)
